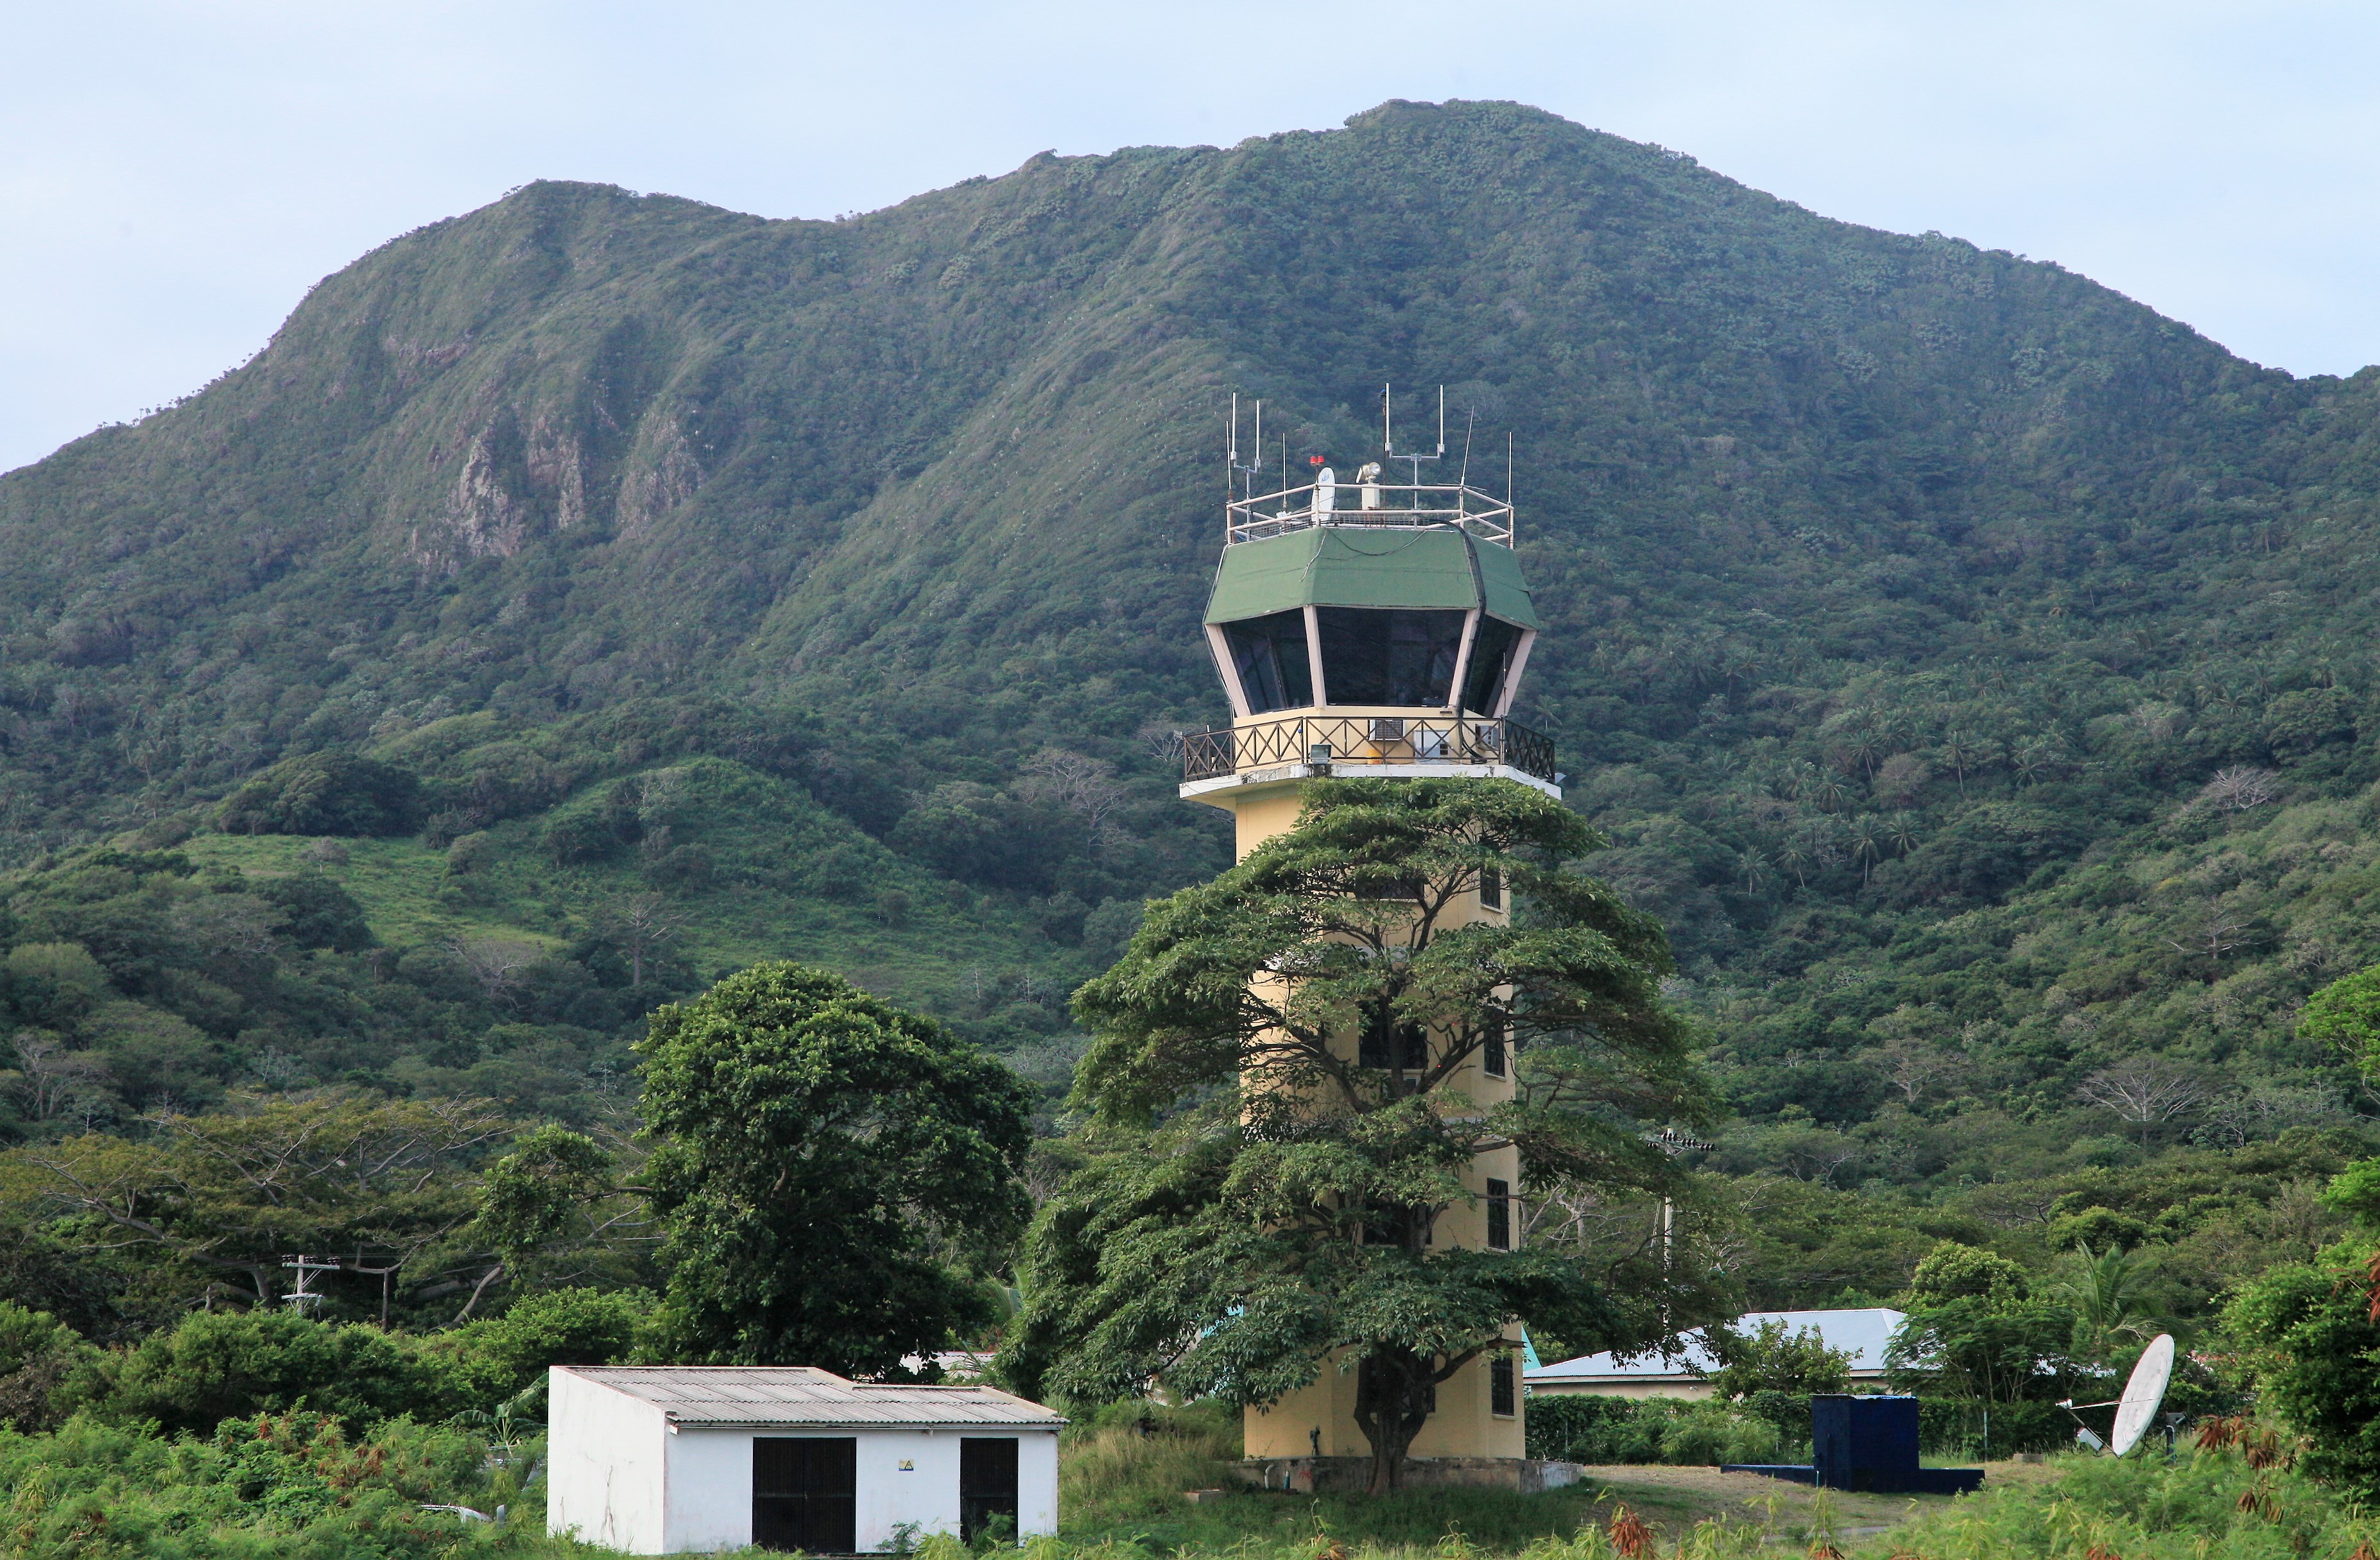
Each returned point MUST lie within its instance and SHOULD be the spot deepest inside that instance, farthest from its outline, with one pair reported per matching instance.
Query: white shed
(668, 1459)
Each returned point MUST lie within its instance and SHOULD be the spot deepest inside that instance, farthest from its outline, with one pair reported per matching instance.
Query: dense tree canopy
(1286, 1223)
(833, 1176)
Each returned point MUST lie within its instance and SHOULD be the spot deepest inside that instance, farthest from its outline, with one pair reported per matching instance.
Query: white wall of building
(604, 1469)
(1037, 1484)
(926, 1493)
(709, 1501)
(620, 1476)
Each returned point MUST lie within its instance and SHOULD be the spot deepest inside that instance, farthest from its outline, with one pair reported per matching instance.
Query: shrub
(577, 839)
(39, 1357)
(219, 1365)
(319, 914)
(500, 1356)
(1683, 1432)
(2311, 1324)
(1767, 1360)
(51, 984)
(329, 792)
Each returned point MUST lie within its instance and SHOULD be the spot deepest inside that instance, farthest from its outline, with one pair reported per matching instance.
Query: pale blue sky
(173, 176)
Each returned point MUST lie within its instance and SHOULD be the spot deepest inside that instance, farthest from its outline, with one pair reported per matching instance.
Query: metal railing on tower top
(1350, 744)
(1369, 503)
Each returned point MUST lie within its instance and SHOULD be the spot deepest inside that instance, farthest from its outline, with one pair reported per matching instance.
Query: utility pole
(301, 1296)
(1672, 1142)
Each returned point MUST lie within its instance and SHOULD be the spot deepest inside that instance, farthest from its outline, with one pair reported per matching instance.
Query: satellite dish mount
(2136, 1410)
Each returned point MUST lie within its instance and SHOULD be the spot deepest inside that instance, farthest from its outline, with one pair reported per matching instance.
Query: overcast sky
(173, 176)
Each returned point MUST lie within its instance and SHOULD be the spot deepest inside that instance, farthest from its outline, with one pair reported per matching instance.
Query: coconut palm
(2105, 1288)
(1868, 845)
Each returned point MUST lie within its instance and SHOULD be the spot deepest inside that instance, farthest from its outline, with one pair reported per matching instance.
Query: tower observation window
(1268, 654)
(1388, 656)
(1499, 1214)
(1483, 682)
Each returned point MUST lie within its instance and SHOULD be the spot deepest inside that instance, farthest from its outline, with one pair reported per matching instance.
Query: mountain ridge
(1893, 585)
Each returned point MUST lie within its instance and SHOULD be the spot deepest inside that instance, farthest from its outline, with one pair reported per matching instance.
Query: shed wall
(606, 1474)
(1037, 1484)
(710, 1490)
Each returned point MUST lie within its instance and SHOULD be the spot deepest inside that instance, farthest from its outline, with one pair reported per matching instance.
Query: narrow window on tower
(1491, 1050)
(1499, 1214)
(1386, 1044)
(1491, 889)
(1501, 1396)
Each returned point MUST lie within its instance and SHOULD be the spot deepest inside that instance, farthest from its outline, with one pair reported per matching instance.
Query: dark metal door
(805, 1493)
(986, 1484)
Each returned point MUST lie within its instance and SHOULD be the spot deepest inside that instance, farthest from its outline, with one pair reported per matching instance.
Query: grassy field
(93, 1490)
(1125, 1497)
(755, 889)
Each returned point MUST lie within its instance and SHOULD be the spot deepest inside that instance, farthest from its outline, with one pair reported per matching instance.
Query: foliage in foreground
(2313, 1329)
(2143, 1508)
(2147, 1507)
(292, 1487)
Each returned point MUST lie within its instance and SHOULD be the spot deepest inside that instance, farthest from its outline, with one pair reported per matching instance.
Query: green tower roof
(1370, 566)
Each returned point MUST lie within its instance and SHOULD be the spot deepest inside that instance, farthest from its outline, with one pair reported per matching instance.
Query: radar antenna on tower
(1389, 432)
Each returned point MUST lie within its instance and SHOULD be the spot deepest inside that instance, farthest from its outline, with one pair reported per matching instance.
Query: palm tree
(2105, 1289)
(1900, 831)
(1824, 790)
(1964, 751)
(1796, 854)
(1868, 845)
(1867, 746)
(1754, 865)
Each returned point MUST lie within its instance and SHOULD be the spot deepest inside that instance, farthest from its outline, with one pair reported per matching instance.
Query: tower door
(986, 1484)
(805, 1493)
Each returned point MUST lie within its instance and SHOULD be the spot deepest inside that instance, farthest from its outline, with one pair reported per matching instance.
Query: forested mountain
(596, 591)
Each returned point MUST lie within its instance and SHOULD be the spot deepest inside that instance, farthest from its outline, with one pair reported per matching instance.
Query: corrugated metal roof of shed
(759, 1395)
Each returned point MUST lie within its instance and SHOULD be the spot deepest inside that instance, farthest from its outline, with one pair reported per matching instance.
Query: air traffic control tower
(1366, 629)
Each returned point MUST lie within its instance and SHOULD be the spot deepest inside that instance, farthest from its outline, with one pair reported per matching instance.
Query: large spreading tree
(833, 1176)
(1270, 1206)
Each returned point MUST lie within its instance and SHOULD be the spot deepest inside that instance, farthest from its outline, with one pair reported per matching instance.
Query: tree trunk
(1396, 1391)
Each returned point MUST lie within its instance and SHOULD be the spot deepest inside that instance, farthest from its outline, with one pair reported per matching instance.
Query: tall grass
(1133, 1462)
(2200, 1506)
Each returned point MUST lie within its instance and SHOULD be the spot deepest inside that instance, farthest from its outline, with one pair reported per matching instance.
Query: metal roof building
(1862, 1333)
(688, 1458)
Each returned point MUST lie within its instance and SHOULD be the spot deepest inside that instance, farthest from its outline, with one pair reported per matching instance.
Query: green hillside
(1970, 665)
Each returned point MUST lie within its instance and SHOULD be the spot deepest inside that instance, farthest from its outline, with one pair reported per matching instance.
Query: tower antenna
(1388, 439)
(1256, 464)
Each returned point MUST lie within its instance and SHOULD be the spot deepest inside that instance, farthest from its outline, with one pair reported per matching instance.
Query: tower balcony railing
(1349, 744)
(1369, 504)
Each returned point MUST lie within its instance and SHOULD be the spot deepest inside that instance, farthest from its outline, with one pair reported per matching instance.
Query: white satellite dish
(2144, 1394)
